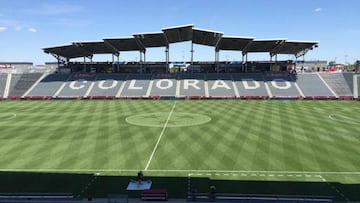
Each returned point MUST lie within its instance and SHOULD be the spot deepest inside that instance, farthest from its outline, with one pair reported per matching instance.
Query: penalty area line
(161, 134)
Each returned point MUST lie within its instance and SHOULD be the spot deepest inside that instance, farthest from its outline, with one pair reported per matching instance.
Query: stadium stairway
(20, 83)
(313, 86)
(47, 86)
(340, 83)
(33, 86)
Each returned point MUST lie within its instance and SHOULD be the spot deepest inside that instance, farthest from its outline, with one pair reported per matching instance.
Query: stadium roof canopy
(263, 45)
(124, 44)
(178, 33)
(206, 37)
(156, 39)
(141, 41)
(233, 43)
(96, 47)
(296, 48)
(67, 51)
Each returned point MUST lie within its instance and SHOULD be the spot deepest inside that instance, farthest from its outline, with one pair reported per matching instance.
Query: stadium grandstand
(271, 79)
(114, 135)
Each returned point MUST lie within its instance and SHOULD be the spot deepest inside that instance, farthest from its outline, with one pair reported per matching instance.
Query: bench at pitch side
(154, 194)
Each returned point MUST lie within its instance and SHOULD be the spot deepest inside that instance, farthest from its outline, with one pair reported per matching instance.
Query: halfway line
(161, 134)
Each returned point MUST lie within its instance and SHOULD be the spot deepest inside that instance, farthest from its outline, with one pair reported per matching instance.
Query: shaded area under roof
(206, 37)
(263, 45)
(124, 44)
(96, 47)
(178, 33)
(234, 43)
(152, 39)
(295, 47)
(67, 51)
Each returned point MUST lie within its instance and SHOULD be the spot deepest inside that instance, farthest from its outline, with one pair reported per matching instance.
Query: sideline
(187, 171)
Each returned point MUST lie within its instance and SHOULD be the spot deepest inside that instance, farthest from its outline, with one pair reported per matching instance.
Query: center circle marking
(343, 118)
(177, 119)
(7, 116)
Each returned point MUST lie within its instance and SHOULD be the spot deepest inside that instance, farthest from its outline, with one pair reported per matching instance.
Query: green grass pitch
(222, 139)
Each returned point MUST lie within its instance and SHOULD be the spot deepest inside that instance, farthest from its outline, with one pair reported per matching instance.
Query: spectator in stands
(140, 176)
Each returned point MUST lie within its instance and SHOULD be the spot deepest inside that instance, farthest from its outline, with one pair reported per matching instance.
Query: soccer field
(222, 139)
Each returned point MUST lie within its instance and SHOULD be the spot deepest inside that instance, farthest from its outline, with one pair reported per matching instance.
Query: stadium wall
(179, 86)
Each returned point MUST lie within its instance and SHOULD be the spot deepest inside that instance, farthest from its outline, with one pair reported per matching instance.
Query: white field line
(161, 134)
(322, 178)
(258, 175)
(12, 115)
(326, 112)
(191, 171)
(266, 172)
(345, 119)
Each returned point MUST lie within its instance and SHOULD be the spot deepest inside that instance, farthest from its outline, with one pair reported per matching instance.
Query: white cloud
(32, 29)
(16, 25)
(318, 10)
(2, 29)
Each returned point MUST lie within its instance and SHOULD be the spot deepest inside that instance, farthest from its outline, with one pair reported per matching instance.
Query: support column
(84, 63)
(192, 53)
(167, 58)
(242, 63)
(112, 63)
(217, 60)
(143, 65)
(246, 59)
(118, 62)
(91, 64)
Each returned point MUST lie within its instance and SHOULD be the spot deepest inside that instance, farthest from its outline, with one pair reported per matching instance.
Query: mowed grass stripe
(242, 135)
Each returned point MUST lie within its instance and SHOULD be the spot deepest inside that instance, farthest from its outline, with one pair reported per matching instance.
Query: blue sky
(28, 26)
